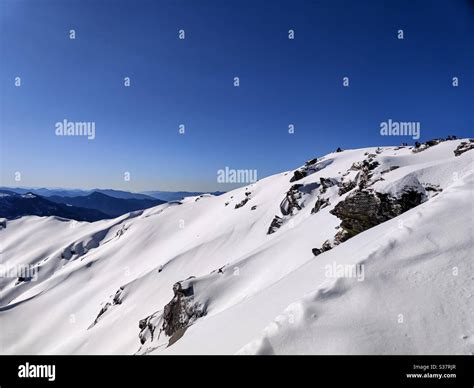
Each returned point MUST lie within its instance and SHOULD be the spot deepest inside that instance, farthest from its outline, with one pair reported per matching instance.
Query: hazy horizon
(102, 188)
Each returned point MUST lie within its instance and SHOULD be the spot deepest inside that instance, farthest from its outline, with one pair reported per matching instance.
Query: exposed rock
(147, 327)
(275, 225)
(430, 187)
(23, 279)
(419, 147)
(3, 223)
(325, 247)
(365, 174)
(310, 167)
(365, 209)
(370, 164)
(345, 187)
(116, 300)
(121, 231)
(364, 168)
(367, 164)
(432, 190)
(339, 149)
(321, 203)
(297, 175)
(431, 143)
(181, 311)
(242, 203)
(290, 203)
(463, 147)
(253, 207)
(326, 183)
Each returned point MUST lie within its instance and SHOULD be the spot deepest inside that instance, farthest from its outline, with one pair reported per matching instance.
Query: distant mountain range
(150, 195)
(14, 205)
(81, 205)
(45, 192)
(92, 207)
(111, 206)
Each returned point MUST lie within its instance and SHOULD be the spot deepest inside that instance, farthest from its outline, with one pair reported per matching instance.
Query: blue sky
(190, 82)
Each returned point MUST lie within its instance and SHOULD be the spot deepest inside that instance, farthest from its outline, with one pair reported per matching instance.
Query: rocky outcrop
(365, 171)
(173, 320)
(244, 201)
(277, 222)
(147, 327)
(321, 203)
(346, 186)
(116, 300)
(325, 247)
(432, 190)
(365, 209)
(463, 147)
(181, 311)
(309, 167)
(290, 204)
(419, 147)
(326, 183)
(297, 175)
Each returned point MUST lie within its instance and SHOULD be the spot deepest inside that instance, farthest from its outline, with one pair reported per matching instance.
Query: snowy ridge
(244, 270)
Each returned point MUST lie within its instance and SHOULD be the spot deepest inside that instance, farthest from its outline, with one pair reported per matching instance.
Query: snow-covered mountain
(366, 251)
(169, 196)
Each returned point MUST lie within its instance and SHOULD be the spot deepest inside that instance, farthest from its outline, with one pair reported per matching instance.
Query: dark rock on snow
(181, 311)
(275, 225)
(242, 203)
(290, 203)
(321, 203)
(365, 209)
(463, 147)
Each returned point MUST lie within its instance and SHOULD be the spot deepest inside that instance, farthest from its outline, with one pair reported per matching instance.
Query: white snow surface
(272, 295)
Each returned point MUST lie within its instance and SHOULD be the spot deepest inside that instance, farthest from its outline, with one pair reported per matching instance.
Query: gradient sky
(191, 82)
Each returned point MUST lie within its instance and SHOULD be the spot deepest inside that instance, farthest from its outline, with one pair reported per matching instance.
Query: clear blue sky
(191, 82)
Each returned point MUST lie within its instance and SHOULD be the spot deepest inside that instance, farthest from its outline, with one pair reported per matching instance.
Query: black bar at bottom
(136, 371)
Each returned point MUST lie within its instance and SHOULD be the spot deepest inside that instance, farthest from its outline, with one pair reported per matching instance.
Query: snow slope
(261, 292)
